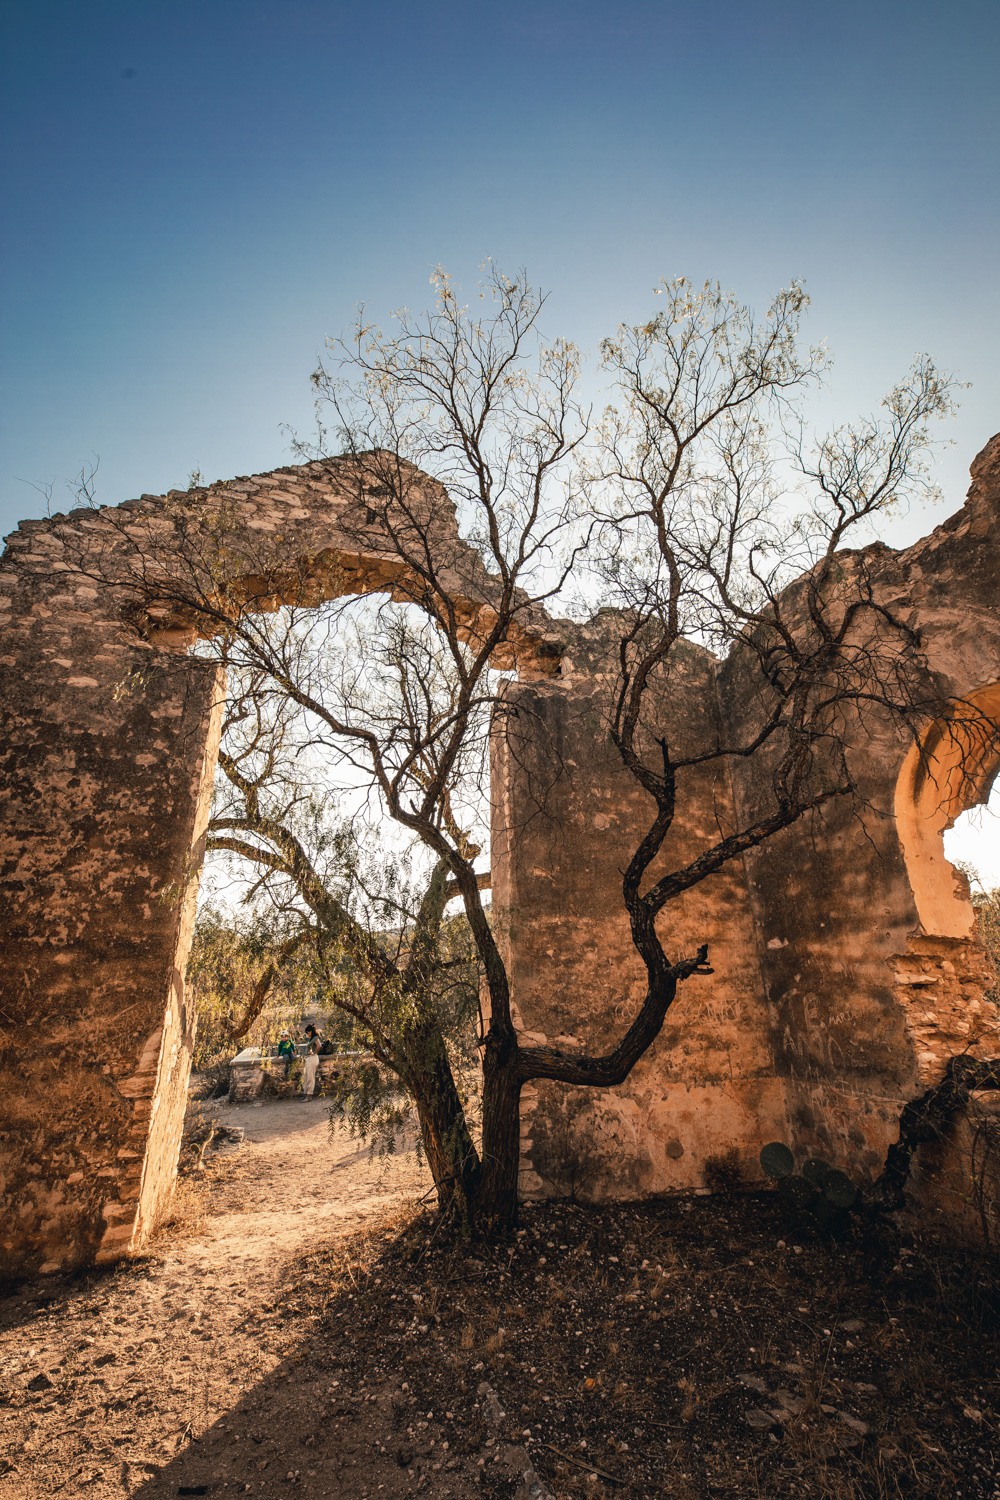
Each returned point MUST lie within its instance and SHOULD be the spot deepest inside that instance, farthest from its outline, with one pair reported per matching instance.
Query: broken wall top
(170, 568)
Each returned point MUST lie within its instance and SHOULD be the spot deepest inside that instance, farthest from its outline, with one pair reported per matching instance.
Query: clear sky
(195, 194)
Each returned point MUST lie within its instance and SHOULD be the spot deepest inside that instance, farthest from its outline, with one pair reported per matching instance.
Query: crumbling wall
(106, 763)
(869, 958)
(566, 819)
(837, 995)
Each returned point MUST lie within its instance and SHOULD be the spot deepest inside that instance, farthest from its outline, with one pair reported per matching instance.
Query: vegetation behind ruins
(230, 955)
(253, 974)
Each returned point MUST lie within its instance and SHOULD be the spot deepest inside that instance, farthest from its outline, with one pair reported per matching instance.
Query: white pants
(309, 1073)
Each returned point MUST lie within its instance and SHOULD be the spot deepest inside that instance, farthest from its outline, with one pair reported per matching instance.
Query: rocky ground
(302, 1327)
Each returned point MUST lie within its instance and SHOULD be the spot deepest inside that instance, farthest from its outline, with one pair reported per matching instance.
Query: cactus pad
(777, 1161)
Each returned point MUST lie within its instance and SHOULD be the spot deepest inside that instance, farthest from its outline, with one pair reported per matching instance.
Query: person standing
(309, 1069)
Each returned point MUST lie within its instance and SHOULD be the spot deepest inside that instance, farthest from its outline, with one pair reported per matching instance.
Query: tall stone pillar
(106, 761)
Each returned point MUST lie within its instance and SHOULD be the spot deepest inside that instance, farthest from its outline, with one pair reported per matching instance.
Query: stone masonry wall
(566, 818)
(846, 969)
(98, 812)
(106, 763)
(835, 998)
(869, 959)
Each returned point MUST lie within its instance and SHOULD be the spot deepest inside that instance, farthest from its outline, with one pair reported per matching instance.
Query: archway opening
(947, 774)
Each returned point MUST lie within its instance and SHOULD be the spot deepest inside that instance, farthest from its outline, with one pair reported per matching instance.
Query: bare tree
(372, 925)
(394, 673)
(720, 526)
(696, 505)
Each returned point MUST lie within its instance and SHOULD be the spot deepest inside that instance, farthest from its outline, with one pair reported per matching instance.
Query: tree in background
(986, 905)
(363, 935)
(244, 984)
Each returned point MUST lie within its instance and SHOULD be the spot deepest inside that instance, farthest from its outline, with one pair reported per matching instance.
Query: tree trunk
(451, 1153)
(496, 1198)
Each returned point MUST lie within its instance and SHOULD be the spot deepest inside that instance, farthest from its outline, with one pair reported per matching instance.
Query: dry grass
(189, 1208)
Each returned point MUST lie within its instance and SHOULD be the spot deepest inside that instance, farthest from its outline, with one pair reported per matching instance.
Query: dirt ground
(178, 1373)
(304, 1327)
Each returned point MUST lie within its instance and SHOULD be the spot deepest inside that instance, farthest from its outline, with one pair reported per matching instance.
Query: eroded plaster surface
(847, 969)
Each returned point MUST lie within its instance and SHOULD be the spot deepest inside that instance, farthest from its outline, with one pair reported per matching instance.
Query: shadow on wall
(983, 1125)
(576, 1148)
(957, 1179)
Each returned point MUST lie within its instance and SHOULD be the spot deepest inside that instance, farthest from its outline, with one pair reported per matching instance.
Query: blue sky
(194, 195)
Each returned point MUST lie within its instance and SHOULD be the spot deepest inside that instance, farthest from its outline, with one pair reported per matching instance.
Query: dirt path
(297, 1185)
(177, 1374)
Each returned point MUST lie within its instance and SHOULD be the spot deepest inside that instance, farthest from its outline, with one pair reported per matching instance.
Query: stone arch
(110, 742)
(950, 769)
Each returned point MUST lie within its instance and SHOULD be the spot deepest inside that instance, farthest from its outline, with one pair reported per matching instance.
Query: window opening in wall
(973, 842)
(949, 773)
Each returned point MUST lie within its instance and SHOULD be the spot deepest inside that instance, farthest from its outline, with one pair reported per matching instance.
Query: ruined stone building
(846, 966)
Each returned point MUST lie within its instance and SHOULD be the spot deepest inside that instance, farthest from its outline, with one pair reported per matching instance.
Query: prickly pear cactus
(821, 1193)
(777, 1160)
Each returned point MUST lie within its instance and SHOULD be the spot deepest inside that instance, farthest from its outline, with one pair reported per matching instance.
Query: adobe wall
(835, 999)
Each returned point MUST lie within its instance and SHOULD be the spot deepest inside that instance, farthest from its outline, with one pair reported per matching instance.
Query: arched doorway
(942, 980)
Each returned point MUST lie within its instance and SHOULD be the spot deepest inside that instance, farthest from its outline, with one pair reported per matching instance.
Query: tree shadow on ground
(683, 1346)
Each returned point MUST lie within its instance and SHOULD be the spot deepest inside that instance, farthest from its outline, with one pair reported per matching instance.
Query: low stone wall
(955, 1183)
(251, 1074)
